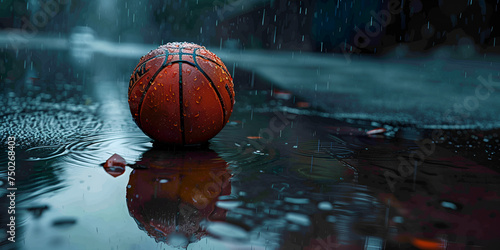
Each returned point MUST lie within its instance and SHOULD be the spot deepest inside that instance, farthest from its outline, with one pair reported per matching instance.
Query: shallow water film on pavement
(354, 125)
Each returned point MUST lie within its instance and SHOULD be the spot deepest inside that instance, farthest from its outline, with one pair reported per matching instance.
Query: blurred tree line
(312, 25)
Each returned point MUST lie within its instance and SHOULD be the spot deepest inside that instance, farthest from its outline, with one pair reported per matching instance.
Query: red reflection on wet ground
(172, 192)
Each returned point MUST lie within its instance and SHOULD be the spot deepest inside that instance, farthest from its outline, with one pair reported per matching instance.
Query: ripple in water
(337, 214)
(94, 150)
(41, 122)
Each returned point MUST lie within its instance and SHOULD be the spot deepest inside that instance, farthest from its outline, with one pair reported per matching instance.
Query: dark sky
(316, 25)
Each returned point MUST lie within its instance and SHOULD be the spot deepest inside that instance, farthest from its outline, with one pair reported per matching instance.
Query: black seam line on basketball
(230, 95)
(182, 61)
(149, 85)
(149, 59)
(175, 54)
(132, 87)
(204, 57)
(181, 101)
(223, 68)
(213, 86)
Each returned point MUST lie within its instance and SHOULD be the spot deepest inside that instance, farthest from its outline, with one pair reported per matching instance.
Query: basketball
(181, 93)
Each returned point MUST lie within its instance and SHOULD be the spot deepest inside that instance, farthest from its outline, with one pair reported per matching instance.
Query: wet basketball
(181, 93)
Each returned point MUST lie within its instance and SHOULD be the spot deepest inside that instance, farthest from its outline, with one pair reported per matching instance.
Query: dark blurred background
(316, 25)
(73, 43)
(60, 59)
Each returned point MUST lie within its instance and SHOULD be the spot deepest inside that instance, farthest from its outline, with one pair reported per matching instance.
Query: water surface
(283, 174)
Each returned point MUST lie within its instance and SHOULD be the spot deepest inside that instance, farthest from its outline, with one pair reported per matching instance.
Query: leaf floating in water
(254, 137)
(376, 131)
(115, 161)
(115, 165)
(427, 244)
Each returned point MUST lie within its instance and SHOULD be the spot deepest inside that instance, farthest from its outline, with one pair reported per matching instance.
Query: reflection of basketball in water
(175, 192)
(181, 93)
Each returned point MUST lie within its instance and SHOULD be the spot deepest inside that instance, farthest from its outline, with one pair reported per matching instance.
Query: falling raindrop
(274, 39)
(263, 15)
(312, 161)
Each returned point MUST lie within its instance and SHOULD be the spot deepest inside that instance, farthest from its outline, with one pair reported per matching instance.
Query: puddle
(280, 175)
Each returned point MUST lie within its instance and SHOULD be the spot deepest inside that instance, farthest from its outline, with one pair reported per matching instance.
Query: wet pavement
(285, 172)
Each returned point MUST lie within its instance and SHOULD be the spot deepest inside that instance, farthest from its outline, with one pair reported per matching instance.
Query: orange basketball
(181, 93)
